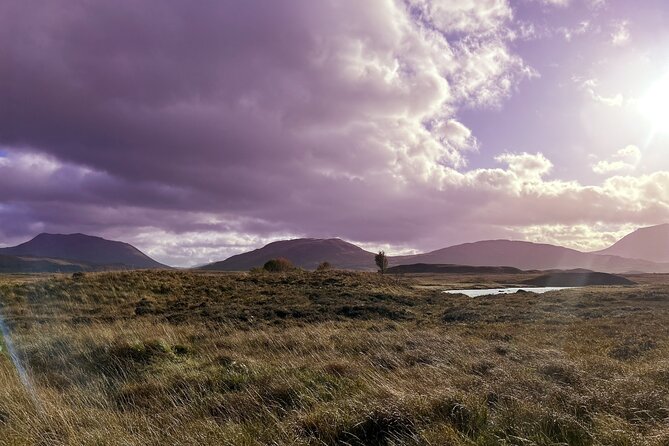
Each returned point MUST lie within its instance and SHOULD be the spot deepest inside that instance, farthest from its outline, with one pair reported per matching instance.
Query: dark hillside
(84, 248)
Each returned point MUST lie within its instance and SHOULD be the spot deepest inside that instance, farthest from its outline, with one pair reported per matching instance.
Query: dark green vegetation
(152, 358)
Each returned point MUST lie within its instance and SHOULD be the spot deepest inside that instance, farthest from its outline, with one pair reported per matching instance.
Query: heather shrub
(278, 265)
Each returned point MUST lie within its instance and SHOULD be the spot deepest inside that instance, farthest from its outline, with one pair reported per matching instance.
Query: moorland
(174, 357)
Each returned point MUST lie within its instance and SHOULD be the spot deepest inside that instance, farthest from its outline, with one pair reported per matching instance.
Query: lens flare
(14, 357)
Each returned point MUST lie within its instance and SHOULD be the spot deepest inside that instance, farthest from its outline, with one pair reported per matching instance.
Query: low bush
(324, 266)
(278, 265)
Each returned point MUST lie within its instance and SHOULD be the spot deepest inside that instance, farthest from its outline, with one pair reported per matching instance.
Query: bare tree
(381, 261)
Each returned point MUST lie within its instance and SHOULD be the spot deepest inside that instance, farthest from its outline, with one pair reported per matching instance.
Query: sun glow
(655, 105)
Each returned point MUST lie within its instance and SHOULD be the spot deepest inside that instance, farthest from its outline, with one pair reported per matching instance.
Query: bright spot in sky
(655, 105)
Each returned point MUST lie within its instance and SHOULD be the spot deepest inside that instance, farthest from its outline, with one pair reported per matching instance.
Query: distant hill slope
(650, 243)
(578, 279)
(12, 264)
(308, 253)
(304, 253)
(83, 248)
(451, 269)
(527, 255)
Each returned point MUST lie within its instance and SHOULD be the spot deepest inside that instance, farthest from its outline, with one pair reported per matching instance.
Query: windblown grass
(137, 358)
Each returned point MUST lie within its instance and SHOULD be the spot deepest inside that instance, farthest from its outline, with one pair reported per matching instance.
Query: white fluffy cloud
(625, 159)
(465, 16)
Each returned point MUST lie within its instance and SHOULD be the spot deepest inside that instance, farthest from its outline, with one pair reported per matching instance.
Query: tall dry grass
(153, 358)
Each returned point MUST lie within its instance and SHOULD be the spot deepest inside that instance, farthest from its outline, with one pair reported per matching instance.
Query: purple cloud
(197, 130)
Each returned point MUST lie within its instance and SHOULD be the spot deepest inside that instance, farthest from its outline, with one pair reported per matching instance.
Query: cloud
(526, 165)
(464, 16)
(568, 33)
(626, 158)
(307, 81)
(559, 3)
(583, 237)
(514, 200)
(266, 118)
(198, 130)
(590, 87)
(597, 4)
(621, 33)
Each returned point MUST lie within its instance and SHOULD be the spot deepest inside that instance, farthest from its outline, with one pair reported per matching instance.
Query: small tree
(381, 261)
(324, 266)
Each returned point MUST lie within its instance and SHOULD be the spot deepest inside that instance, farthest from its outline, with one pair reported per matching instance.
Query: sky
(199, 130)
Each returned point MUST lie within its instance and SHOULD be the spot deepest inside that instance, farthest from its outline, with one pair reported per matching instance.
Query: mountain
(304, 252)
(650, 243)
(12, 264)
(308, 253)
(433, 268)
(95, 251)
(527, 255)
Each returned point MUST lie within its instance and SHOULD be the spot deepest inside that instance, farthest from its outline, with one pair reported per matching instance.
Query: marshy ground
(154, 358)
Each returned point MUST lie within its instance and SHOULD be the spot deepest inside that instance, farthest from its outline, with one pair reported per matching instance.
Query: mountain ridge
(647, 243)
(644, 250)
(529, 255)
(95, 251)
(490, 253)
(301, 252)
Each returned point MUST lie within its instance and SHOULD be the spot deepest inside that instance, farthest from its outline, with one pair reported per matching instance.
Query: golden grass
(144, 358)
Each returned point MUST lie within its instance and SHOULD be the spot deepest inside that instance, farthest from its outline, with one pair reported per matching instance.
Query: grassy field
(156, 358)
